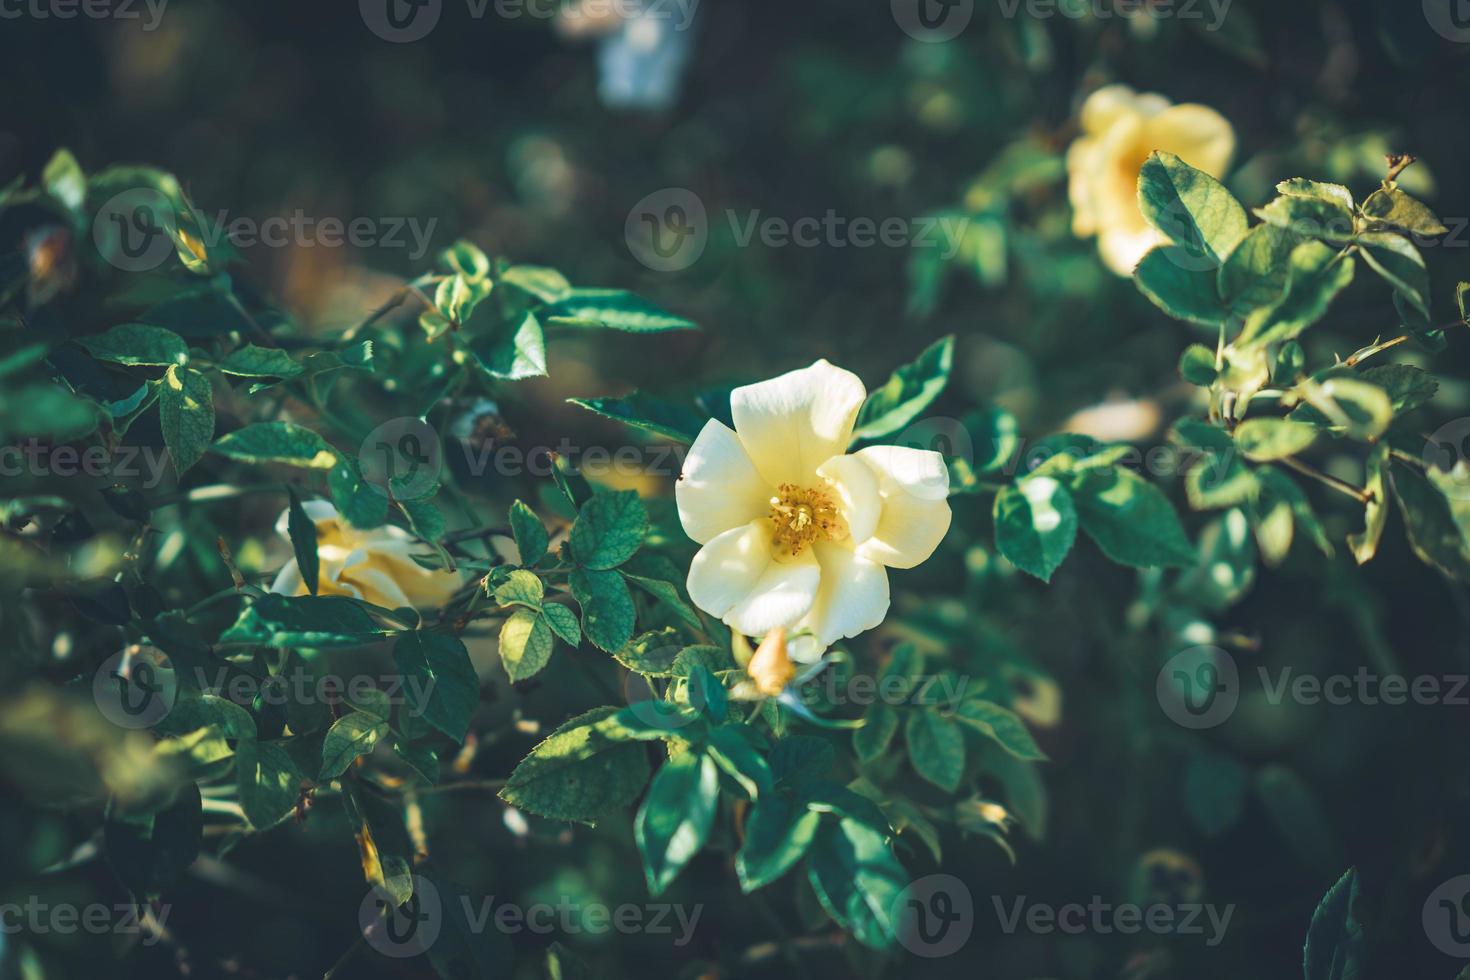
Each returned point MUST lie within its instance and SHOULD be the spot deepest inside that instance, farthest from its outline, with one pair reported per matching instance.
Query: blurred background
(545, 134)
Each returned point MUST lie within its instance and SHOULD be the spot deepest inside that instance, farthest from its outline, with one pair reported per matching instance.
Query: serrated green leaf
(579, 772)
(355, 733)
(665, 419)
(525, 644)
(138, 344)
(936, 748)
(1317, 276)
(612, 309)
(1190, 207)
(529, 533)
(858, 880)
(610, 528)
(1267, 439)
(306, 621)
(186, 415)
(777, 835)
(1035, 525)
(1003, 725)
(261, 362)
(907, 392)
(1173, 281)
(302, 531)
(440, 683)
(268, 781)
(676, 816)
(285, 443)
(608, 614)
(1129, 518)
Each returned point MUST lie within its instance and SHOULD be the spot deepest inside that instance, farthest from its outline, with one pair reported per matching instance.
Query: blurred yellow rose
(1120, 128)
(375, 566)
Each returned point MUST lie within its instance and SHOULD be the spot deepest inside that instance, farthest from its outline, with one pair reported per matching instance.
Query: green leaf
(261, 362)
(777, 835)
(1035, 525)
(563, 623)
(1390, 207)
(1257, 271)
(612, 309)
(1408, 387)
(665, 419)
(1397, 260)
(186, 415)
(355, 733)
(608, 615)
(1173, 281)
(525, 644)
(521, 588)
(579, 772)
(512, 351)
(440, 684)
(1129, 518)
(1189, 206)
(858, 880)
(1003, 725)
(676, 816)
(609, 529)
(545, 284)
(1267, 439)
(467, 259)
(306, 621)
(269, 783)
(1197, 365)
(1309, 217)
(277, 442)
(936, 748)
(880, 723)
(138, 344)
(1348, 405)
(303, 542)
(362, 503)
(530, 534)
(45, 410)
(64, 180)
(424, 517)
(1337, 946)
(907, 392)
(1375, 518)
(1317, 276)
(652, 654)
(1334, 194)
(1435, 534)
(668, 593)
(732, 752)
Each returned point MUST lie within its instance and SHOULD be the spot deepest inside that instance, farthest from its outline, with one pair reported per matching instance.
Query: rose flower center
(803, 515)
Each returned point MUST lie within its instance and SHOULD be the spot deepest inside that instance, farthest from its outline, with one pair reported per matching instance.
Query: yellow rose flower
(1120, 128)
(375, 566)
(797, 533)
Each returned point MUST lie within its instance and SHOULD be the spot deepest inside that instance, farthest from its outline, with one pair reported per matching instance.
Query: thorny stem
(1361, 496)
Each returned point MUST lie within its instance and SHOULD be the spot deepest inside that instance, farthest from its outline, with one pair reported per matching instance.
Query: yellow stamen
(803, 516)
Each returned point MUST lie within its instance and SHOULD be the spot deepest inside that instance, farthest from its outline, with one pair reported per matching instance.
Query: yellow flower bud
(771, 668)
